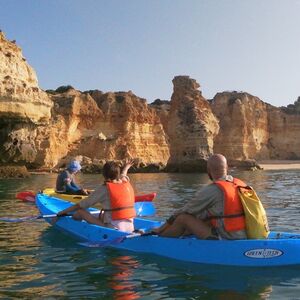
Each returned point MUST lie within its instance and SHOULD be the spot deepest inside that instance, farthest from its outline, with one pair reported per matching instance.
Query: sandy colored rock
(191, 127)
(253, 129)
(45, 130)
(14, 172)
(20, 96)
(244, 126)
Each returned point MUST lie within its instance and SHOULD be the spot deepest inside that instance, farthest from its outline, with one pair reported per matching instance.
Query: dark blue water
(37, 261)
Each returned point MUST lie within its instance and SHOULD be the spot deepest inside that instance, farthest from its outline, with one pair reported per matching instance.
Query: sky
(141, 45)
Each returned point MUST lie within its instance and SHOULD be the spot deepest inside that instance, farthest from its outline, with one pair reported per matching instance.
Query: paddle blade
(144, 209)
(18, 220)
(146, 197)
(28, 196)
(29, 218)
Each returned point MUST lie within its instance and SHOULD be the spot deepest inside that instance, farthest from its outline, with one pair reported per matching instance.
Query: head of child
(74, 166)
(111, 171)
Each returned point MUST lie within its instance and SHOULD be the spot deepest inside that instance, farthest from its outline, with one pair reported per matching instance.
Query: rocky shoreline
(13, 172)
(22, 172)
(280, 165)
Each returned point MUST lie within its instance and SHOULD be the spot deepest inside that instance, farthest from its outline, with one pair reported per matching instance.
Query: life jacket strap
(223, 217)
(118, 208)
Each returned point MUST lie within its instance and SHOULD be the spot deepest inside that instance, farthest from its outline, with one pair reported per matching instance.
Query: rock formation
(23, 106)
(253, 129)
(20, 96)
(45, 130)
(244, 130)
(108, 126)
(284, 128)
(191, 127)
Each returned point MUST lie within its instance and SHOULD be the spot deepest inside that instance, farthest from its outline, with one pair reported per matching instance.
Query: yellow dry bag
(255, 215)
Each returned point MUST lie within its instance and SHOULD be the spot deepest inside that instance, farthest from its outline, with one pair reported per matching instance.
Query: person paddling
(116, 197)
(65, 182)
(215, 212)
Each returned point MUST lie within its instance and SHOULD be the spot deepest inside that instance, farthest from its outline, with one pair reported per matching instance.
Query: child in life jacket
(116, 197)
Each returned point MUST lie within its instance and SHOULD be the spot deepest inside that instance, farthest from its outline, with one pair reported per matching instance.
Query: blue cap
(74, 166)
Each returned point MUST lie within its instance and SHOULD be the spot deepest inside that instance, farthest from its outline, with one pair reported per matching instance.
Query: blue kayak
(280, 249)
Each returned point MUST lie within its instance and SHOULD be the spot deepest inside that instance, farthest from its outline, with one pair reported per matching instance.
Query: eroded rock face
(191, 127)
(284, 142)
(45, 130)
(24, 107)
(253, 129)
(74, 116)
(244, 127)
(20, 96)
(13, 172)
(130, 128)
(99, 126)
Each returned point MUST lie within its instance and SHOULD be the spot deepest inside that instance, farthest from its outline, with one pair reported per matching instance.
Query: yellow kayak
(72, 198)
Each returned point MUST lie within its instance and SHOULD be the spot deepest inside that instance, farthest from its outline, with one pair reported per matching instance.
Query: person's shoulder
(209, 193)
(209, 188)
(63, 173)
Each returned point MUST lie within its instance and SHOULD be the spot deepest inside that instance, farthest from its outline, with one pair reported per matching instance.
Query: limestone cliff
(23, 106)
(20, 96)
(253, 129)
(40, 129)
(131, 128)
(74, 116)
(244, 128)
(191, 127)
(284, 128)
(101, 126)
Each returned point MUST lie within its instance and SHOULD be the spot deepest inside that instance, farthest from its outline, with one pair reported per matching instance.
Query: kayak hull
(280, 249)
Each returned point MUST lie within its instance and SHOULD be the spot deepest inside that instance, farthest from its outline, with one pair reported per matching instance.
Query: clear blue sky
(140, 45)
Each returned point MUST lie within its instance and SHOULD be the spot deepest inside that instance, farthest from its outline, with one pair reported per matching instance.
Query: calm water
(37, 261)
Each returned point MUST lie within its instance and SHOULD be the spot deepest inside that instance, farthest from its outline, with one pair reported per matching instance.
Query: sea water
(40, 262)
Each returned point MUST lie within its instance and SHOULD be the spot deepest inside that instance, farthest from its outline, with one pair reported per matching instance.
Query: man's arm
(201, 202)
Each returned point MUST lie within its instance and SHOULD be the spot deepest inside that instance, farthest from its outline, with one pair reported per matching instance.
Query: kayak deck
(280, 249)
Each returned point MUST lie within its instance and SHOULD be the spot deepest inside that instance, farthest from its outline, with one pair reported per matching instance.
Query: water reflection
(121, 279)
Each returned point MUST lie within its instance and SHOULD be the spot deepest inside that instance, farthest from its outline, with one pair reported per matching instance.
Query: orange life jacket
(233, 217)
(121, 200)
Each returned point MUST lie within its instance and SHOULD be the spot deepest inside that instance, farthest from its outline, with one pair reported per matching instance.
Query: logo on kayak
(263, 253)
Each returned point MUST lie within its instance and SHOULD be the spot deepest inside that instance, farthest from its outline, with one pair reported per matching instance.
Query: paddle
(144, 209)
(143, 203)
(115, 241)
(36, 217)
(29, 196)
